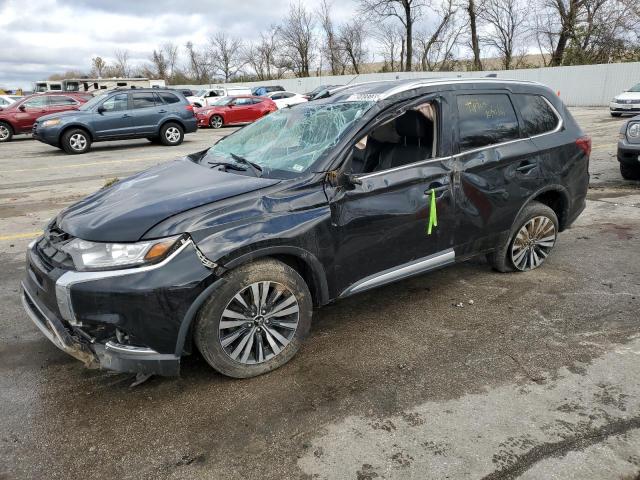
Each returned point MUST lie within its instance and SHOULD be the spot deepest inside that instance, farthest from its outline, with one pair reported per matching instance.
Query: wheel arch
(555, 197)
(171, 120)
(306, 264)
(9, 124)
(76, 126)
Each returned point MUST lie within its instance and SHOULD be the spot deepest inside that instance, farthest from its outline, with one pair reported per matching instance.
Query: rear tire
(171, 134)
(6, 132)
(532, 237)
(76, 141)
(630, 172)
(244, 329)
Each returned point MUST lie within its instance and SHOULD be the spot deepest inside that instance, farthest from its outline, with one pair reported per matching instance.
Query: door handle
(438, 188)
(526, 167)
(162, 111)
(126, 115)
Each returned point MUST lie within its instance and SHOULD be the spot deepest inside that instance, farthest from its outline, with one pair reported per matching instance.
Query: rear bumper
(110, 355)
(190, 125)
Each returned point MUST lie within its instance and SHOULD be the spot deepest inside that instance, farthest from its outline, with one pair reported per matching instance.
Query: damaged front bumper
(110, 355)
(133, 320)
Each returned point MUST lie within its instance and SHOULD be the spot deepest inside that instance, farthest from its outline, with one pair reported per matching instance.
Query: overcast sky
(42, 37)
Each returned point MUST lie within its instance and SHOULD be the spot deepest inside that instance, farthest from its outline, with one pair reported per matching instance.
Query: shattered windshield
(289, 141)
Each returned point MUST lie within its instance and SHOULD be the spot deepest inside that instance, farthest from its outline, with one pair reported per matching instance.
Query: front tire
(532, 237)
(171, 134)
(216, 121)
(76, 141)
(6, 132)
(630, 172)
(616, 114)
(256, 321)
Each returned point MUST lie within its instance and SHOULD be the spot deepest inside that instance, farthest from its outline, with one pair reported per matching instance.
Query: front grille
(49, 249)
(628, 102)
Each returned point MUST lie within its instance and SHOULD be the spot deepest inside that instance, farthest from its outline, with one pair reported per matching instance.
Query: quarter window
(116, 103)
(143, 100)
(168, 97)
(485, 120)
(537, 116)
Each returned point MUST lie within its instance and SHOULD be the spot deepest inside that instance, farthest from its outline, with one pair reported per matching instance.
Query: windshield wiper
(255, 168)
(227, 165)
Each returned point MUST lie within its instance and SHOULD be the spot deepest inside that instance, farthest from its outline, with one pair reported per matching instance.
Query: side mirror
(22, 108)
(101, 110)
(345, 180)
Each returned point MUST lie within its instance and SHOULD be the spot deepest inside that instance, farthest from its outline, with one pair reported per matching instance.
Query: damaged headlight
(633, 130)
(51, 123)
(103, 256)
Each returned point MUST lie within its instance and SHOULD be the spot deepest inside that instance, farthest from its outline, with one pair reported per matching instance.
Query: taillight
(190, 109)
(584, 144)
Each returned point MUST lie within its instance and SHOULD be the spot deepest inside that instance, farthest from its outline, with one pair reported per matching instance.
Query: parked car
(208, 96)
(184, 91)
(19, 116)
(319, 89)
(157, 114)
(629, 149)
(6, 100)
(286, 99)
(228, 250)
(263, 90)
(234, 110)
(627, 102)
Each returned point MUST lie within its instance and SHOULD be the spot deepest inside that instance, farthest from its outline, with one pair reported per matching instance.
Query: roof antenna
(351, 80)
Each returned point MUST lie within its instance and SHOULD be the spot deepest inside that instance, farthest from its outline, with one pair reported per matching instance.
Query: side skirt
(406, 270)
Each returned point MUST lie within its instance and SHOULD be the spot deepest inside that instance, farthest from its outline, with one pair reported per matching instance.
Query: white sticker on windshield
(364, 97)
(298, 168)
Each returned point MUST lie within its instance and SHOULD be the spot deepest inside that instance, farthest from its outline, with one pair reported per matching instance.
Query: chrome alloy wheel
(258, 322)
(4, 132)
(78, 142)
(532, 243)
(172, 134)
(215, 122)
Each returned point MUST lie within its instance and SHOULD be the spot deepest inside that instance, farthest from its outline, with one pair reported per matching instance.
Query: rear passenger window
(537, 116)
(143, 100)
(485, 120)
(168, 97)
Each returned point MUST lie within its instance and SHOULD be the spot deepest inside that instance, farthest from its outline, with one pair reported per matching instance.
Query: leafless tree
(505, 22)
(197, 64)
(390, 39)
(472, 7)
(170, 52)
(98, 66)
(159, 64)
(226, 55)
(122, 62)
(351, 41)
(297, 38)
(330, 47)
(436, 46)
(407, 11)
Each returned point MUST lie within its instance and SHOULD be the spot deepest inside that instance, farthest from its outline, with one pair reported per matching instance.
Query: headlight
(51, 123)
(615, 100)
(633, 130)
(104, 256)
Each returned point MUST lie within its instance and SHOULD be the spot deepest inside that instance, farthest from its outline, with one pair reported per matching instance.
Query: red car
(20, 116)
(234, 110)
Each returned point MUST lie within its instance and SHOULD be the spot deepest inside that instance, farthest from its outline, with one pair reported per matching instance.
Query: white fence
(583, 85)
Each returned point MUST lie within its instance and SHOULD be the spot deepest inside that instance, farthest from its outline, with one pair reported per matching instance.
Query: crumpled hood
(126, 210)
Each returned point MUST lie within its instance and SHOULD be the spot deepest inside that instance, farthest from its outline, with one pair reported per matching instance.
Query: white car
(6, 100)
(207, 96)
(626, 102)
(286, 99)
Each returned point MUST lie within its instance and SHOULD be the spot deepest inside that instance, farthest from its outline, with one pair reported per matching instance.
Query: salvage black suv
(228, 250)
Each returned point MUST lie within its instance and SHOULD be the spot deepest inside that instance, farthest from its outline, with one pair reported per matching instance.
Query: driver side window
(116, 103)
(403, 140)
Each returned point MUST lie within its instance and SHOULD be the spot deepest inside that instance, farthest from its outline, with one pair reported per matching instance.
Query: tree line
(401, 35)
